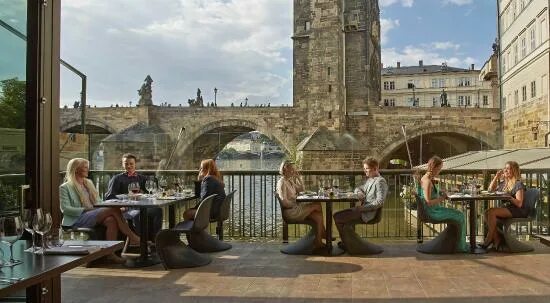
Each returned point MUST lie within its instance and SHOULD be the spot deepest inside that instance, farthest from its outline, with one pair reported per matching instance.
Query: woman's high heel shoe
(485, 246)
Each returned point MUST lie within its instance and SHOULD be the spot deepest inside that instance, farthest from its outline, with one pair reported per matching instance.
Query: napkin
(69, 250)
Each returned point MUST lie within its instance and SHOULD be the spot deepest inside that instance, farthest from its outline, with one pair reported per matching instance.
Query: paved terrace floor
(257, 272)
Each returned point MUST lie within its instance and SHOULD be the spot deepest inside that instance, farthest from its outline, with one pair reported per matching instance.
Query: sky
(241, 47)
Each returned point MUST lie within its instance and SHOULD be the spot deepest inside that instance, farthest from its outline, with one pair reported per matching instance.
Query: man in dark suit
(371, 197)
(119, 185)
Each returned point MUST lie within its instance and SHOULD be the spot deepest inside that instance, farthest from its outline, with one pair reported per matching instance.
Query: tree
(12, 103)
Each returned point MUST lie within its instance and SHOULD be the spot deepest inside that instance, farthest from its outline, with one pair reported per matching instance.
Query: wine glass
(177, 182)
(42, 226)
(150, 185)
(28, 217)
(11, 229)
(133, 188)
(336, 185)
(163, 184)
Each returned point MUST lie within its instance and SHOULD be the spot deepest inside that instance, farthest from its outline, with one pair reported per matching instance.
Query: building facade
(435, 86)
(524, 72)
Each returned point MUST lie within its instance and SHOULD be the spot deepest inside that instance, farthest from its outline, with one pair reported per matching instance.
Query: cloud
(445, 45)
(183, 45)
(410, 55)
(387, 25)
(458, 2)
(405, 3)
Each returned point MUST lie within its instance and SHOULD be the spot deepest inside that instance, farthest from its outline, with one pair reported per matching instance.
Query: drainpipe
(500, 76)
(343, 20)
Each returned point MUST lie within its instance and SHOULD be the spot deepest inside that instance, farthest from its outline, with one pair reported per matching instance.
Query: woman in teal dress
(432, 197)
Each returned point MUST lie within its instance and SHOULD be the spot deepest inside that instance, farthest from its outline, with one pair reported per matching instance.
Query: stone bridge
(317, 140)
(335, 120)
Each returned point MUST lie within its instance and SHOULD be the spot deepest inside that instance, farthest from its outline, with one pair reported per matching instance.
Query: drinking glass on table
(11, 229)
(163, 184)
(42, 226)
(150, 185)
(134, 188)
(28, 217)
(57, 238)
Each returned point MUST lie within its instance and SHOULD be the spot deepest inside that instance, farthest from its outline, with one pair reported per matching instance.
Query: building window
(524, 93)
(328, 71)
(434, 83)
(543, 30)
(516, 97)
(307, 26)
(515, 53)
(509, 59)
(485, 100)
(468, 101)
(533, 89)
(389, 85)
(441, 83)
(460, 101)
(523, 47)
(464, 82)
(329, 88)
(533, 36)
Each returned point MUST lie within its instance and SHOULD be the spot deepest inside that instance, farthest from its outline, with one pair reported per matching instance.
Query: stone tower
(336, 58)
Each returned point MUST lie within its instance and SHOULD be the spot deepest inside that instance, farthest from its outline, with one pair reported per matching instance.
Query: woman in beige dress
(288, 187)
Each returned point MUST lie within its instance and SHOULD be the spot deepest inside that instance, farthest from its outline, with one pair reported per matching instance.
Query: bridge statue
(146, 93)
(443, 99)
(197, 102)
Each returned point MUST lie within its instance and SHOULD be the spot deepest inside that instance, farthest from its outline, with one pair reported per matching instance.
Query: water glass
(133, 188)
(57, 238)
(11, 229)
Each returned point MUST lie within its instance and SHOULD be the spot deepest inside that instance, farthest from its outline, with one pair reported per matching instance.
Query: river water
(256, 213)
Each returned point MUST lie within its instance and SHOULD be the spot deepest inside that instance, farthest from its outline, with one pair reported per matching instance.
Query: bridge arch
(208, 140)
(458, 138)
(93, 126)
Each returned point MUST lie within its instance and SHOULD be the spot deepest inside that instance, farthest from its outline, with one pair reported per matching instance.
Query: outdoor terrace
(258, 272)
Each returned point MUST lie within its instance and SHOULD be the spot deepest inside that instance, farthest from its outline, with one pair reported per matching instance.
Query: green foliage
(12, 103)
(8, 196)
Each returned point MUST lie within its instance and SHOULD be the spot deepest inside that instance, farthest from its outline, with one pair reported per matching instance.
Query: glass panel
(13, 20)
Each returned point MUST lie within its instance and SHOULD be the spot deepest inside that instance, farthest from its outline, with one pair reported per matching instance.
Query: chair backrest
(226, 206)
(281, 206)
(421, 209)
(202, 215)
(531, 201)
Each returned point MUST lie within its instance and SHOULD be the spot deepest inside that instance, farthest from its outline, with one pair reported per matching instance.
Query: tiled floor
(257, 272)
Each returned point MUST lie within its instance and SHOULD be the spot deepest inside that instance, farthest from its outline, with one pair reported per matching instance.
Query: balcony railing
(255, 213)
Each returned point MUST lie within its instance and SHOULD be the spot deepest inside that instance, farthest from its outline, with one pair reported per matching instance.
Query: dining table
(328, 200)
(145, 202)
(471, 201)
(33, 275)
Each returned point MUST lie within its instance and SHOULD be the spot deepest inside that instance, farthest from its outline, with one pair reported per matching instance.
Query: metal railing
(255, 213)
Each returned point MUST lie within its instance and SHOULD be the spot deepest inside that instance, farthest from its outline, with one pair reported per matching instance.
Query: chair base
(355, 245)
(444, 243)
(304, 246)
(511, 243)
(204, 242)
(175, 254)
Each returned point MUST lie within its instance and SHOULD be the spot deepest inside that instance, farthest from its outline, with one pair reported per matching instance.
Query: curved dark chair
(354, 244)
(512, 244)
(172, 252)
(306, 244)
(445, 242)
(224, 214)
(195, 230)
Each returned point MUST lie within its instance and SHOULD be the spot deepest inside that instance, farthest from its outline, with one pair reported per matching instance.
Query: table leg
(331, 251)
(144, 258)
(328, 227)
(473, 229)
(171, 216)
